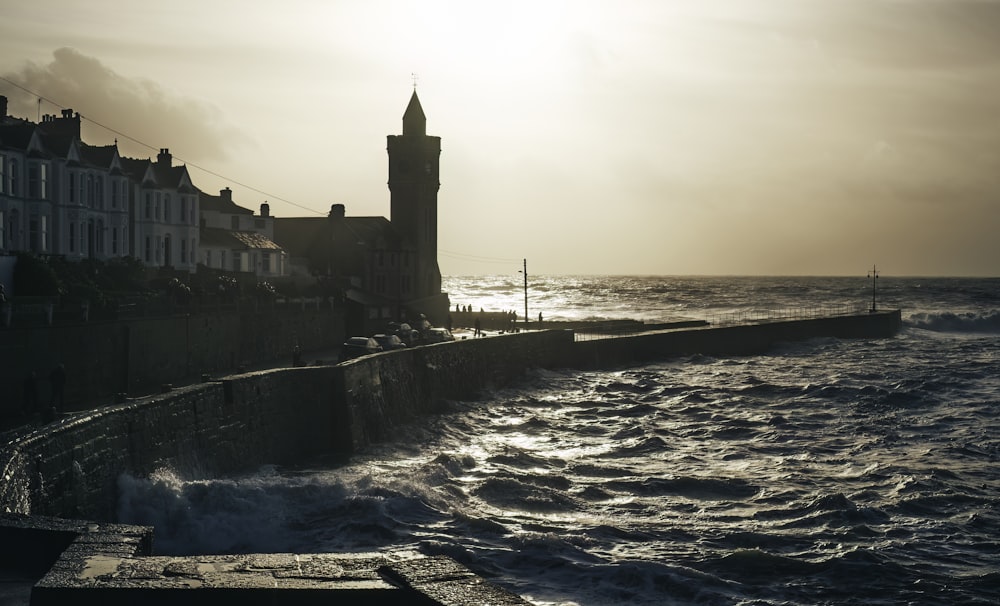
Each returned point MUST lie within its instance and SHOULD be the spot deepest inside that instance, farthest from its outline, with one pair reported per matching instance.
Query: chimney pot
(337, 211)
(226, 194)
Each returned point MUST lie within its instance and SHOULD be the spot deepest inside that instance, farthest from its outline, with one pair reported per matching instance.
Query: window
(33, 180)
(114, 194)
(237, 257)
(149, 249)
(156, 208)
(208, 258)
(158, 249)
(114, 241)
(45, 233)
(184, 258)
(3, 177)
(266, 262)
(166, 208)
(2, 224)
(222, 259)
(258, 223)
(14, 229)
(72, 237)
(184, 213)
(234, 223)
(99, 192)
(91, 194)
(149, 206)
(13, 190)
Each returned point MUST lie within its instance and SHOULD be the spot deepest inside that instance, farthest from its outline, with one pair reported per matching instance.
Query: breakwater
(70, 469)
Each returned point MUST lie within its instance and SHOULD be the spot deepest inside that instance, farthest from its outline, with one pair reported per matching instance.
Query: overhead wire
(454, 255)
(147, 145)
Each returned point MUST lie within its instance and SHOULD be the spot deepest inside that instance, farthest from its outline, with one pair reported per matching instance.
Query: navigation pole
(525, 293)
(873, 274)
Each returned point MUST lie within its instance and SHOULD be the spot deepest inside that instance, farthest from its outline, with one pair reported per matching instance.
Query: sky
(639, 137)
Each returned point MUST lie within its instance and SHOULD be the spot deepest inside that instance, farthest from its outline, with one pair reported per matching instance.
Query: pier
(59, 488)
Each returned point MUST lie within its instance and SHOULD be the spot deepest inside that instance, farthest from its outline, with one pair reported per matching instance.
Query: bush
(33, 277)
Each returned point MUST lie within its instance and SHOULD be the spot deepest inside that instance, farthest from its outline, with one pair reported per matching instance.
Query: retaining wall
(71, 468)
(138, 355)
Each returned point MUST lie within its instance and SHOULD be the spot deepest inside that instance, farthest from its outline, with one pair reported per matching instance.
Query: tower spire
(414, 120)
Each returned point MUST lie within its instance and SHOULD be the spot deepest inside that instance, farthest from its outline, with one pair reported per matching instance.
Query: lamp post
(525, 272)
(873, 274)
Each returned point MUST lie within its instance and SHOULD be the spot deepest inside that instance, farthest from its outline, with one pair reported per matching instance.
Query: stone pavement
(109, 564)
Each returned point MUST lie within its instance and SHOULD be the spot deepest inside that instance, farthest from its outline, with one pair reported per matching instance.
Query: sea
(858, 471)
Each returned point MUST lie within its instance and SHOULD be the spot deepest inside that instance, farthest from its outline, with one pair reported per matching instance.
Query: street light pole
(873, 274)
(526, 293)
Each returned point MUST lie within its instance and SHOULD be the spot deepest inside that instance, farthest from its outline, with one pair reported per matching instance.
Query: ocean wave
(962, 322)
(710, 489)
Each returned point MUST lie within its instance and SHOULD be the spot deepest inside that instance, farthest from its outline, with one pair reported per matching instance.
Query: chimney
(3, 107)
(164, 157)
(336, 211)
(265, 209)
(226, 194)
(67, 113)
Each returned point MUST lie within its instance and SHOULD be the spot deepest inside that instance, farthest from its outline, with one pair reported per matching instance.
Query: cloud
(145, 115)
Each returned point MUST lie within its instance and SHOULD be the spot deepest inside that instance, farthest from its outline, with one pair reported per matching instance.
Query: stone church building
(385, 269)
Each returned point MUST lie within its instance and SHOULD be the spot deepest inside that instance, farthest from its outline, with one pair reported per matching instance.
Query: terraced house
(61, 196)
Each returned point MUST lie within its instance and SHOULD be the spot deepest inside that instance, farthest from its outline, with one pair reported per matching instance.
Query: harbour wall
(71, 468)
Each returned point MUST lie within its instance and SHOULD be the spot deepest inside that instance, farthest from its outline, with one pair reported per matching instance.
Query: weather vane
(414, 76)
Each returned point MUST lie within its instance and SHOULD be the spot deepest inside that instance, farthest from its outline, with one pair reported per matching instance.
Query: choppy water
(823, 472)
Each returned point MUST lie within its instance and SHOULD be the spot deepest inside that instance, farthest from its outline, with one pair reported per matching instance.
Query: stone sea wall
(71, 468)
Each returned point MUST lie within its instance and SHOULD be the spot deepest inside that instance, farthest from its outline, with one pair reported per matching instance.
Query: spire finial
(414, 76)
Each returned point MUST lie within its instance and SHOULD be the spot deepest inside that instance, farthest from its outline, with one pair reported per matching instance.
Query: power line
(147, 145)
(454, 255)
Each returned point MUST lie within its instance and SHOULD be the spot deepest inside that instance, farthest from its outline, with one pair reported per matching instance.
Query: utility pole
(873, 274)
(526, 293)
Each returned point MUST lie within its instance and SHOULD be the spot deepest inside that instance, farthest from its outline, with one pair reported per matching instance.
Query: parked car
(359, 346)
(389, 342)
(439, 335)
(407, 335)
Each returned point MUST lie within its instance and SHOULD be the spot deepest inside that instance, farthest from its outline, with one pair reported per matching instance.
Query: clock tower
(413, 187)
